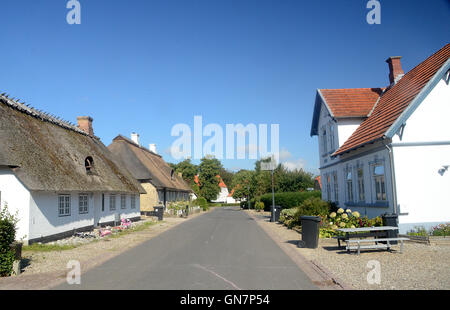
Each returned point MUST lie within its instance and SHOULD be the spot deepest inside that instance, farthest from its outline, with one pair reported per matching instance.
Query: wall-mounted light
(443, 170)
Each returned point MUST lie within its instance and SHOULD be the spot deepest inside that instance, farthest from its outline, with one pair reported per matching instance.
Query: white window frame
(324, 141)
(361, 186)
(123, 201)
(133, 201)
(64, 205)
(112, 202)
(83, 203)
(349, 185)
(379, 183)
(336, 186)
(332, 138)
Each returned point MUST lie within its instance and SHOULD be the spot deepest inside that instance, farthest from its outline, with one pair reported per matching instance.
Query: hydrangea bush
(345, 219)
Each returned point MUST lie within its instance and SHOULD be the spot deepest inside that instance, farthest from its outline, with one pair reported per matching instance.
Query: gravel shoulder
(419, 267)
(44, 270)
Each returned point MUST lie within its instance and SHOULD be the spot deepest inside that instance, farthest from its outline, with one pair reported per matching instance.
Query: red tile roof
(221, 182)
(354, 102)
(394, 102)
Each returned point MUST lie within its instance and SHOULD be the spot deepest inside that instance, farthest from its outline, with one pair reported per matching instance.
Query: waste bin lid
(310, 218)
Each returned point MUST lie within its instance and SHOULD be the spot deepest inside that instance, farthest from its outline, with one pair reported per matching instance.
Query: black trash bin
(275, 215)
(391, 220)
(310, 231)
(159, 212)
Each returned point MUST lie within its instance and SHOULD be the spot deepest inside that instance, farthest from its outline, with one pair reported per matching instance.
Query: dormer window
(172, 174)
(89, 164)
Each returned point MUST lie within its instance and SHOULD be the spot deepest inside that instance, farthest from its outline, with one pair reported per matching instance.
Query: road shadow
(295, 242)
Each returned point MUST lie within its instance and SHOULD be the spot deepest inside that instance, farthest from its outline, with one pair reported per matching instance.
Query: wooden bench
(355, 244)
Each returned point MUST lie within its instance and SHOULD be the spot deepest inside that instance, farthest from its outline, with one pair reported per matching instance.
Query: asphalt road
(223, 249)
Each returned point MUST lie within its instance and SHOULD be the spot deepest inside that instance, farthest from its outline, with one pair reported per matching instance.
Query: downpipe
(394, 185)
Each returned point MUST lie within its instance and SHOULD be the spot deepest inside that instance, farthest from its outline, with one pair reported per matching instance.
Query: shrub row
(287, 200)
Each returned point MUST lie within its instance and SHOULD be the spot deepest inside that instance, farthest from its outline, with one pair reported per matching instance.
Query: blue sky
(144, 66)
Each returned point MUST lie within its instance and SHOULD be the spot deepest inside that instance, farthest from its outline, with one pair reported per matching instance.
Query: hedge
(7, 236)
(288, 200)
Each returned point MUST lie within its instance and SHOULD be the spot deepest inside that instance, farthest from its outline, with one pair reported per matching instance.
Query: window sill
(66, 215)
(381, 204)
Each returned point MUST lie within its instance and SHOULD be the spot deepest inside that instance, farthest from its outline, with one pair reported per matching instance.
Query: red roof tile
(394, 101)
(353, 102)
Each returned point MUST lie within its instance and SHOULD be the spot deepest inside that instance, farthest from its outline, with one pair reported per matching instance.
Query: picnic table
(374, 234)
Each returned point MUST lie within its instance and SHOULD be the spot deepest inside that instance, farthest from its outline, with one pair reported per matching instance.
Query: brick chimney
(395, 69)
(85, 124)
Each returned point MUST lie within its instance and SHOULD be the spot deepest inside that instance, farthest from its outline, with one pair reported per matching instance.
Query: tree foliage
(208, 171)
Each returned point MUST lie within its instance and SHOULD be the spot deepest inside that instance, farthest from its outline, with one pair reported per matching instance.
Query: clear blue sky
(147, 65)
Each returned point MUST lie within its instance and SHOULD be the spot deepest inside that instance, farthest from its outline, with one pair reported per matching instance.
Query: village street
(223, 249)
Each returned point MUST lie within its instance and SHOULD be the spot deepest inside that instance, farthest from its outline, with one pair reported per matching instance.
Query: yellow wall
(149, 200)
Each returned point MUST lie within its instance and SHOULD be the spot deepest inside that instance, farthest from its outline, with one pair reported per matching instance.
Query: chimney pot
(395, 69)
(85, 124)
(135, 138)
(152, 148)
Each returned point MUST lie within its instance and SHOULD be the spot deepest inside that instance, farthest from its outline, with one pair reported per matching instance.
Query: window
(328, 188)
(133, 202)
(83, 204)
(332, 137)
(336, 187)
(123, 201)
(378, 178)
(89, 164)
(103, 202)
(349, 183)
(112, 202)
(64, 205)
(161, 196)
(324, 141)
(361, 194)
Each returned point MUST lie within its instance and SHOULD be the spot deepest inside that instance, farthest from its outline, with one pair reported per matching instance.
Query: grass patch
(140, 227)
(45, 247)
(36, 247)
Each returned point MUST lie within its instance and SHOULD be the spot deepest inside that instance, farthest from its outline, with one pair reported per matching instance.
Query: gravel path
(419, 267)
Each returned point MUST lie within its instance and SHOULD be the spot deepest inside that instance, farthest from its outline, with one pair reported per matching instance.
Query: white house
(387, 150)
(58, 177)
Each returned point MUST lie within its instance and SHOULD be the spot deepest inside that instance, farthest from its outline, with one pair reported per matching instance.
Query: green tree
(243, 184)
(188, 170)
(208, 171)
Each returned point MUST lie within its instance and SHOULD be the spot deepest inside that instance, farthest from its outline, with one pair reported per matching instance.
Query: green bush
(7, 236)
(418, 231)
(309, 207)
(259, 206)
(288, 200)
(201, 202)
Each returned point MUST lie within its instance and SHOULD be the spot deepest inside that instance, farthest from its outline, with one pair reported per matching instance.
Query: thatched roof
(146, 165)
(51, 153)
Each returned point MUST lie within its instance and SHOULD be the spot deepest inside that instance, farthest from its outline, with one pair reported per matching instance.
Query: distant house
(59, 177)
(224, 196)
(161, 183)
(387, 150)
